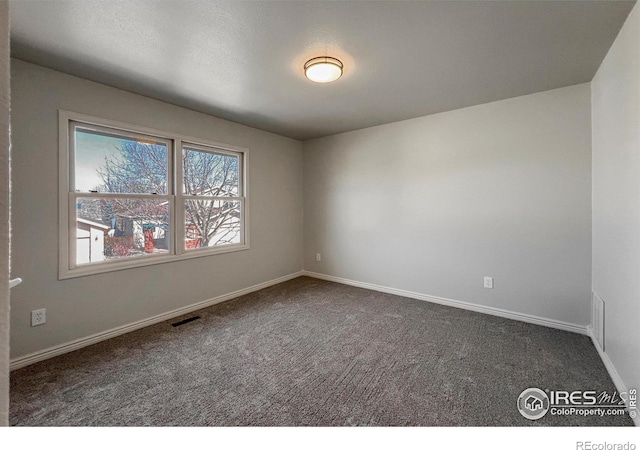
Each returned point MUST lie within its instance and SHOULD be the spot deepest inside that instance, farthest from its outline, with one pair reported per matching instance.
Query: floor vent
(182, 322)
(597, 320)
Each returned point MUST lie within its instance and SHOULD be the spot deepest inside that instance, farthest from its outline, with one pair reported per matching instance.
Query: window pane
(118, 228)
(118, 164)
(210, 223)
(211, 174)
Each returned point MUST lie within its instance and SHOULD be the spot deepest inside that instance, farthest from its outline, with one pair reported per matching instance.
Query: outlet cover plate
(38, 317)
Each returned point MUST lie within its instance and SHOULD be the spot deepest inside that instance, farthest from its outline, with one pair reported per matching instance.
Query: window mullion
(179, 233)
(120, 195)
(212, 197)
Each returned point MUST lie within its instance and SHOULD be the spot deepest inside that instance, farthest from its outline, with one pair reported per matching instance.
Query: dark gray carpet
(310, 352)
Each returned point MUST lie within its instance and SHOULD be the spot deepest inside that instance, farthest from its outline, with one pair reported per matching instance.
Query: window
(132, 196)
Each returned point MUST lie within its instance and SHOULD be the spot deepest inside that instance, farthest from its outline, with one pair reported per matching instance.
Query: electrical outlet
(318, 257)
(38, 317)
(488, 282)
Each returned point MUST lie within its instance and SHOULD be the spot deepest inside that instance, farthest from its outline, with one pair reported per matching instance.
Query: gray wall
(4, 213)
(431, 205)
(616, 198)
(80, 307)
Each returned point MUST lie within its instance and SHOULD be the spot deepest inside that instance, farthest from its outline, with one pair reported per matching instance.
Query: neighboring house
(89, 241)
(121, 234)
(146, 229)
(135, 226)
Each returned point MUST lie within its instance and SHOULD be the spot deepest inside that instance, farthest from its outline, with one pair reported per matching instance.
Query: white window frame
(67, 267)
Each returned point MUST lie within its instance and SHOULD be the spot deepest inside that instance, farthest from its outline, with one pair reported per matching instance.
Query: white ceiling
(242, 60)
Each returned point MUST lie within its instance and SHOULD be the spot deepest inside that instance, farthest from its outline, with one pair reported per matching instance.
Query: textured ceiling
(242, 60)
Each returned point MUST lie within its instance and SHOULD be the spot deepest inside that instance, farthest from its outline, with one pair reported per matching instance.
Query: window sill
(143, 261)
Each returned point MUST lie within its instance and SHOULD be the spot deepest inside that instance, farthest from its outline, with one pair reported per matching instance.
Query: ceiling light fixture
(323, 69)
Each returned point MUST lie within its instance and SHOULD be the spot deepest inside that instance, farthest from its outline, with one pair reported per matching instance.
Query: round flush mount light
(323, 69)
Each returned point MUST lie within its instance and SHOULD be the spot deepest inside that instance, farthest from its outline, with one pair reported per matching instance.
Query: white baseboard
(565, 326)
(613, 373)
(57, 350)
